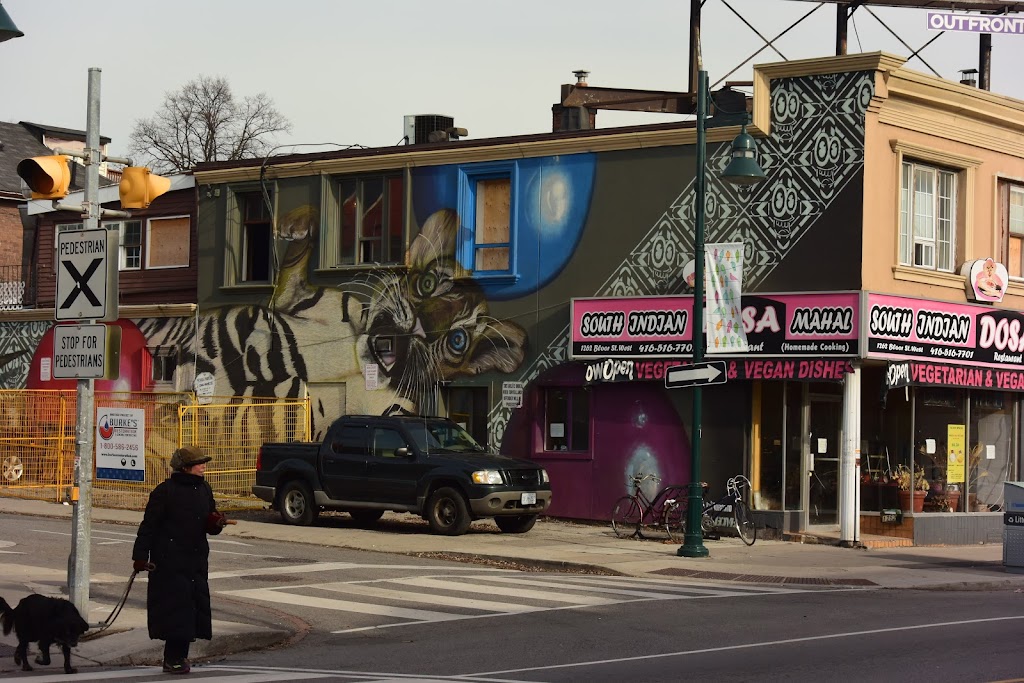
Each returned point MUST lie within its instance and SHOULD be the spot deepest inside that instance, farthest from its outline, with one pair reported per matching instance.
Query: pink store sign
(776, 325)
(962, 334)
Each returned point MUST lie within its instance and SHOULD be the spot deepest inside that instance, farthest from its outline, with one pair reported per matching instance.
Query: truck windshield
(440, 435)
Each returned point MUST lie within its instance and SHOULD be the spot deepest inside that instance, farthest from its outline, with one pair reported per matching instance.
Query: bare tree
(203, 121)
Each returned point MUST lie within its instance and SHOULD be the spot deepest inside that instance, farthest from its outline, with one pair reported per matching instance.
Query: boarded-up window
(493, 224)
(168, 243)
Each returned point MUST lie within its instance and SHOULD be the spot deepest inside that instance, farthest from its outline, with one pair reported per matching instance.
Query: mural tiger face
(428, 326)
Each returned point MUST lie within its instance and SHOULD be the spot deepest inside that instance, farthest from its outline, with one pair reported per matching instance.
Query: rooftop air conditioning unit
(418, 128)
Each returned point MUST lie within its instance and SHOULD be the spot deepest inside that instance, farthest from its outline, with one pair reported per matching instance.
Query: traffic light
(47, 177)
(139, 187)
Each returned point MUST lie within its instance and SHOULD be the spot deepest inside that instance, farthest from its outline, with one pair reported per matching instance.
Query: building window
(255, 225)
(168, 241)
(371, 222)
(164, 365)
(566, 419)
(927, 217)
(487, 212)
(64, 227)
(129, 252)
(1011, 199)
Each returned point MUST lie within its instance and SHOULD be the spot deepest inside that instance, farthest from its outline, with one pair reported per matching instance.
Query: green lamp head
(743, 169)
(7, 28)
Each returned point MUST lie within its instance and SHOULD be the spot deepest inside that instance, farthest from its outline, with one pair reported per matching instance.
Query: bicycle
(631, 512)
(731, 504)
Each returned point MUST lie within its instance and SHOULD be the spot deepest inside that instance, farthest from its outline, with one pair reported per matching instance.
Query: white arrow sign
(698, 373)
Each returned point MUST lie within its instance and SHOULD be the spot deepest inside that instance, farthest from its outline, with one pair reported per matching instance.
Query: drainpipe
(849, 463)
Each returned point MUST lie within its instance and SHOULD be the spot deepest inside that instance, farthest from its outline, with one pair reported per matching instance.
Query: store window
(487, 208)
(566, 419)
(1011, 200)
(990, 455)
(927, 217)
(769, 451)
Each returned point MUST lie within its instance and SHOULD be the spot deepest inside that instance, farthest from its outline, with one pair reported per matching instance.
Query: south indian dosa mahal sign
(776, 325)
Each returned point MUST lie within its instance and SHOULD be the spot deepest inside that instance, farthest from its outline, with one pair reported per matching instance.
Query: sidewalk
(551, 545)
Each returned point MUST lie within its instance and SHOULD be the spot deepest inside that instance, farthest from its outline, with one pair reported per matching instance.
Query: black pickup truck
(429, 466)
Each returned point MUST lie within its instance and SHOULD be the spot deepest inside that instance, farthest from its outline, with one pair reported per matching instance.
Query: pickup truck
(428, 466)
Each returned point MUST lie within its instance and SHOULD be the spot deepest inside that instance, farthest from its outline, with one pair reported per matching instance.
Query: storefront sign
(621, 370)
(975, 23)
(661, 326)
(897, 375)
(967, 334)
(956, 450)
(985, 280)
(939, 375)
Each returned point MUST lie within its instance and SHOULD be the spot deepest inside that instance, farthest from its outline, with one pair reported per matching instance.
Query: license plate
(528, 499)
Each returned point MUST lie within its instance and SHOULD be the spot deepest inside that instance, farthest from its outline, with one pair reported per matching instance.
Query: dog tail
(6, 616)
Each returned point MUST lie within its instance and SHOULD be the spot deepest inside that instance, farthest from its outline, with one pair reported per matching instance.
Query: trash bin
(1013, 526)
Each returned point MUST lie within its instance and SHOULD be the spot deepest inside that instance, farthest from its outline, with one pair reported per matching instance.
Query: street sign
(86, 352)
(86, 275)
(712, 372)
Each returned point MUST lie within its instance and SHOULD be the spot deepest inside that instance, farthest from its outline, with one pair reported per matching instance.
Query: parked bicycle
(631, 513)
(729, 511)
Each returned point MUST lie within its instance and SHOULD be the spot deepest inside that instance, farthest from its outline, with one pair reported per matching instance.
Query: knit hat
(187, 456)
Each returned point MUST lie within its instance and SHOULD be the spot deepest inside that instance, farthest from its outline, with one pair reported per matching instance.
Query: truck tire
(366, 517)
(296, 504)
(515, 524)
(447, 513)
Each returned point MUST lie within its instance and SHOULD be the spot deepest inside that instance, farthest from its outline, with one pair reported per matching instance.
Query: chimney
(573, 118)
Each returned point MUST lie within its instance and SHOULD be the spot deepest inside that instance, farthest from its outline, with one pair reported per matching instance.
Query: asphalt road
(378, 617)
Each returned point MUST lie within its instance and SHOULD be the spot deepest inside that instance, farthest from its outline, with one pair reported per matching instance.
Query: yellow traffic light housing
(47, 177)
(139, 187)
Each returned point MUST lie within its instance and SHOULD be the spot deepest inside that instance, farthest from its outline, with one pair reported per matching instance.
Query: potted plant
(913, 488)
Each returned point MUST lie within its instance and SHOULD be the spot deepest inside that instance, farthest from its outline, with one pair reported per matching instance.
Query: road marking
(334, 566)
(445, 600)
(99, 534)
(745, 646)
(241, 675)
(669, 584)
(613, 591)
(276, 595)
(455, 585)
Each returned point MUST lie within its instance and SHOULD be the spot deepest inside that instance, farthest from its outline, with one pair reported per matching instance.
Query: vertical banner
(956, 453)
(723, 286)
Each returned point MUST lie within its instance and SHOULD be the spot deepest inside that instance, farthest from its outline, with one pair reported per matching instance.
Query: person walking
(171, 545)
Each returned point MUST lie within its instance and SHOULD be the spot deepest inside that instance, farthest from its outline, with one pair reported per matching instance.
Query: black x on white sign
(82, 279)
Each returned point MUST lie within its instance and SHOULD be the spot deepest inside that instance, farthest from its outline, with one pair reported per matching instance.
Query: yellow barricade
(38, 428)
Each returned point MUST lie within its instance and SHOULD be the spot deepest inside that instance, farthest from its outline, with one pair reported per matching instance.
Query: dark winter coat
(173, 537)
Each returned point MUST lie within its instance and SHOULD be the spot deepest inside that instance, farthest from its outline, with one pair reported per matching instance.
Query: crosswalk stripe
(673, 584)
(275, 595)
(84, 675)
(597, 589)
(454, 585)
(443, 600)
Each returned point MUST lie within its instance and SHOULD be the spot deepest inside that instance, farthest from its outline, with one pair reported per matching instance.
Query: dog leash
(104, 625)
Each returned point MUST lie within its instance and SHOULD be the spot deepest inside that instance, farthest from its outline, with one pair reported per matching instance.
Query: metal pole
(985, 61)
(78, 578)
(842, 18)
(695, 56)
(693, 542)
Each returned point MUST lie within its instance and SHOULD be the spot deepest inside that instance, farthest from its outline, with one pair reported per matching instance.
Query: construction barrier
(38, 434)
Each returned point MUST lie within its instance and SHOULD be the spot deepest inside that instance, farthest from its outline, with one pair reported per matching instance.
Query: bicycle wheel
(674, 520)
(626, 517)
(744, 524)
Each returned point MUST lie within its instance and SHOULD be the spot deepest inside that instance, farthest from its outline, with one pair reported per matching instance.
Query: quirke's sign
(965, 334)
(662, 326)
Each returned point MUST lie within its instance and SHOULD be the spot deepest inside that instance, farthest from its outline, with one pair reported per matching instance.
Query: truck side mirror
(403, 452)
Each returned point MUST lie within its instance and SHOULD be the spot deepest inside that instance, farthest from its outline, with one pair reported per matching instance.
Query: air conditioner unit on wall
(419, 127)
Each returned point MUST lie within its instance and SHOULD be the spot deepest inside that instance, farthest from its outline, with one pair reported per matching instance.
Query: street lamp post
(742, 170)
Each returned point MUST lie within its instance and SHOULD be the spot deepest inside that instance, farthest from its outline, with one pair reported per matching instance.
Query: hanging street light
(742, 170)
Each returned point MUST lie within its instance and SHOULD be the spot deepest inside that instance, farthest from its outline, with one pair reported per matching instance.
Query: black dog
(43, 620)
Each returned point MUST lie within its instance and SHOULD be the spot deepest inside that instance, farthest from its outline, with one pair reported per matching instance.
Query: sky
(345, 72)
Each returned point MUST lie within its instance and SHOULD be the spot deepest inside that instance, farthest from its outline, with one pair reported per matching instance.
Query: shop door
(824, 418)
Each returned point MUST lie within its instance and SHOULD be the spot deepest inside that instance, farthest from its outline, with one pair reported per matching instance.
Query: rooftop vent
(969, 77)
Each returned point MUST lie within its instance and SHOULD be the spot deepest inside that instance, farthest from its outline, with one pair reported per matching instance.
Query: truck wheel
(447, 513)
(516, 524)
(297, 506)
(366, 517)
